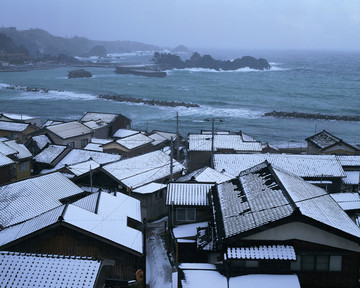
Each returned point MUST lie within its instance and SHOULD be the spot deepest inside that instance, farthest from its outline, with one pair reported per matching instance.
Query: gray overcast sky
(261, 24)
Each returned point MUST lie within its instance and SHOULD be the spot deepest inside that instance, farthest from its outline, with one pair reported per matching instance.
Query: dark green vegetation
(170, 61)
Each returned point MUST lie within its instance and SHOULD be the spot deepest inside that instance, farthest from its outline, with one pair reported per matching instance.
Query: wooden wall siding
(120, 123)
(198, 159)
(5, 174)
(63, 241)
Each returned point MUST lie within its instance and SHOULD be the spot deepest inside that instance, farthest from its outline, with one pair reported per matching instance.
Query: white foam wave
(4, 86)
(277, 68)
(58, 95)
(241, 70)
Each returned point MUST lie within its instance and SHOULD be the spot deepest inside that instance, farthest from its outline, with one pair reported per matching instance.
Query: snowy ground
(158, 268)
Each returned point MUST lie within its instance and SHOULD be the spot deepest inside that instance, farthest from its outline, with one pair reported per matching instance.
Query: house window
(335, 263)
(308, 262)
(185, 214)
(71, 144)
(317, 263)
(23, 166)
(84, 142)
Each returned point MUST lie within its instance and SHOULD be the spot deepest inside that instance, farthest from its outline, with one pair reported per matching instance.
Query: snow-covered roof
(301, 165)
(78, 155)
(41, 141)
(21, 151)
(6, 149)
(272, 252)
(27, 198)
(347, 201)
(203, 142)
(121, 133)
(69, 129)
(259, 199)
(134, 141)
(187, 193)
(113, 211)
(140, 170)
(49, 154)
(157, 139)
(100, 141)
(323, 139)
(206, 174)
(348, 161)
(4, 160)
(352, 177)
(94, 147)
(149, 188)
(18, 116)
(95, 124)
(13, 126)
(188, 230)
(106, 117)
(83, 167)
(51, 122)
(166, 135)
(40, 270)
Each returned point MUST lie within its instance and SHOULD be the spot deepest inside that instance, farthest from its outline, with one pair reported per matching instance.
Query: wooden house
(270, 221)
(36, 121)
(7, 169)
(16, 130)
(326, 143)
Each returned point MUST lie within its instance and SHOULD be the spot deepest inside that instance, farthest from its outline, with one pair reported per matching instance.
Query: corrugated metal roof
(4, 160)
(35, 270)
(140, 170)
(149, 188)
(323, 139)
(352, 178)
(69, 129)
(190, 194)
(41, 141)
(22, 151)
(301, 165)
(49, 154)
(202, 142)
(13, 126)
(273, 252)
(121, 133)
(83, 167)
(134, 141)
(113, 211)
(349, 160)
(6, 149)
(347, 201)
(25, 199)
(106, 117)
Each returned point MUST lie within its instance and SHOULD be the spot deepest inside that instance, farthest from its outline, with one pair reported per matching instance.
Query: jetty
(140, 70)
(282, 114)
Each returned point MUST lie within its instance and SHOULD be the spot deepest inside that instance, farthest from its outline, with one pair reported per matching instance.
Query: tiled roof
(41, 141)
(190, 194)
(69, 129)
(273, 252)
(323, 139)
(259, 200)
(6, 149)
(348, 161)
(134, 141)
(27, 198)
(106, 117)
(83, 167)
(113, 211)
(21, 151)
(140, 170)
(43, 270)
(301, 165)
(121, 133)
(202, 142)
(4, 160)
(352, 178)
(206, 174)
(347, 201)
(49, 154)
(13, 126)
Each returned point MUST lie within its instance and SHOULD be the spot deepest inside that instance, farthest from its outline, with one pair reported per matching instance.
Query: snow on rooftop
(41, 141)
(27, 198)
(69, 129)
(4, 160)
(19, 116)
(207, 174)
(188, 193)
(6, 149)
(121, 133)
(349, 160)
(140, 170)
(83, 167)
(94, 124)
(134, 141)
(352, 178)
(21, 151)
(106, 117)
(34, 270)
(94, 147)
(347, 201)
(100, 141)
(49, 154)
(273, 252)
(323, 139)
(188, 230)
(157, 139)
(149, 188)
(301, 165)
(113, 211)
(203, 142)
(13, 126)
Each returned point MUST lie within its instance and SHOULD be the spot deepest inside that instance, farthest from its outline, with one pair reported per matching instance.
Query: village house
(113, 122)
(38, 270)
(49, 157)
(36, 121)
(96, 144)
(206, 174)
(7, 169)
(100, 225)
(202, 147)
(326, 143)
(16, 130)
(322, 170)
(270, 221)
(72, 134)
(37, 143)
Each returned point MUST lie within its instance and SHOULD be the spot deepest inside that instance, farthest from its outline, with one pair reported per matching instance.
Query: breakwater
(153, 102)
(30, 89)
(312, 116)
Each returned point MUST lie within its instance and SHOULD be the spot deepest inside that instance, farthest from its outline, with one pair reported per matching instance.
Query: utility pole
(212, 142)
(171, 159)
(177, 138)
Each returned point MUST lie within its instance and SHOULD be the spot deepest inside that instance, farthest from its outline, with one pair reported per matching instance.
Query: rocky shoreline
(121, 98)
(303, 115)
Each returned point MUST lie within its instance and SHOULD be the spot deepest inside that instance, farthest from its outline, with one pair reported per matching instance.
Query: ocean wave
(58, 95)
(240, 70)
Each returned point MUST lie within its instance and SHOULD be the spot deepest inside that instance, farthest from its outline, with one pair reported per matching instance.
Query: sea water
(302, 81)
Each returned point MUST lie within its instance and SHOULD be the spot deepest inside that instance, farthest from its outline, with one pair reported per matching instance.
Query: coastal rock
(80, 73)
(303, 115)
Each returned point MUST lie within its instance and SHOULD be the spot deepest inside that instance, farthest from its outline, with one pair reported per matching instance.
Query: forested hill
(39, 42)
